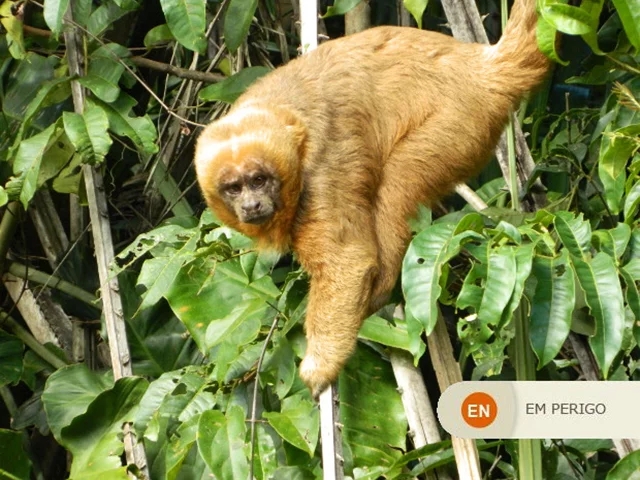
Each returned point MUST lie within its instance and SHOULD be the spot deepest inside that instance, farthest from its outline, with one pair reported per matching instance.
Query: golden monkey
(330, 154)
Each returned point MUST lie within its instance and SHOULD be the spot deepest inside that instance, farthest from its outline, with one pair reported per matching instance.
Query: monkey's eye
(233, 189)
(258, 181)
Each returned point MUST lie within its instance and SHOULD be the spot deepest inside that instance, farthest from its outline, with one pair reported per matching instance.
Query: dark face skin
(253, 194)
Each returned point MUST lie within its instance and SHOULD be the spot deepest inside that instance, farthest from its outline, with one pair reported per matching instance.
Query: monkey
(329, 156)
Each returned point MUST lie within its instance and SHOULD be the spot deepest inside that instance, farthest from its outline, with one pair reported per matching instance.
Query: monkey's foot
(318, 373)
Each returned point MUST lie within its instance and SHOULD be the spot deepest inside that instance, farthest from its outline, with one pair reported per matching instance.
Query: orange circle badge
(479, 410)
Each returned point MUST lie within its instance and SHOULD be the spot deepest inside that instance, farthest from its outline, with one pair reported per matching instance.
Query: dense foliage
(207, 316)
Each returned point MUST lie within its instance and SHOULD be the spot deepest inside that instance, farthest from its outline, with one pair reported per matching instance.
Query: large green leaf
(371, 412)
(222, 442)
(626, 468)
(423, 263)
(298, 422)
(551, 306)
(68, 393)
(229, 89)
(187, 21)
(11, 350)
(237, 21)
(206, 293)
(603, 294)
(629, 11)
(95, 437)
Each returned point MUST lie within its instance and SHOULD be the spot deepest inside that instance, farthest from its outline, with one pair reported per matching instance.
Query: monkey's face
(251, 191)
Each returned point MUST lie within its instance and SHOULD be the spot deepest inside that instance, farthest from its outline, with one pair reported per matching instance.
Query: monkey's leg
(339, 296)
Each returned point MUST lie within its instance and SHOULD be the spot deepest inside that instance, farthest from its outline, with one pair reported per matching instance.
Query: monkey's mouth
(256, 218)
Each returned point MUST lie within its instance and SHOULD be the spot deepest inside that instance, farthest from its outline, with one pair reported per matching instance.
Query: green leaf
(187, 21)
(629, 12)
(524, 259)
(633, 295)
(140, 130)
(552, 305)
(158, 274)
(615, 151)
(229, 89)
(179, 395)
(27, 163)
(4, 197)
(68, 393)
(239, 327)
(575, 233)
(427, 254)
(237, 21)
(49, 92)
(500, 281)
(374, 424)
(416, 8)
(603, 294)
(298, 422)
(14, 31)
(340, 7)
(205, 293)
(221, 442)
(88, 132)
(379, 330)
(104, 72)
(69, 178)
(59, 152)
(627, 467)
(14, 461)
(160, 35)
(613, 241)
(104, 17)
(567, 19)
(54, 11)
(546, 34)
(593, 8)
(631, 204)
(11, 350)
(95, 437)
(266, 458)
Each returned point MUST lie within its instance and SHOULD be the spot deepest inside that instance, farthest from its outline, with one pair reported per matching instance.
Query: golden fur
(361, 131)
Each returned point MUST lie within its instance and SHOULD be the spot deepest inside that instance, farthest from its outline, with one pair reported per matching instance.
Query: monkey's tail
(517, 59)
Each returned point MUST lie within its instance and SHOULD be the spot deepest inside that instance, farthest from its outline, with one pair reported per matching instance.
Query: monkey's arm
(342, 272)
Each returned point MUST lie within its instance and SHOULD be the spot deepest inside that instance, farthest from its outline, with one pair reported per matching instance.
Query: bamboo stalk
(99, 217)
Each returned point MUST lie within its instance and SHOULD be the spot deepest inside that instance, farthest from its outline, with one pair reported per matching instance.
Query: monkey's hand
(319, 370)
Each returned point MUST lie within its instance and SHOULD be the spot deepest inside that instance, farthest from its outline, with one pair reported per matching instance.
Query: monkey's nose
(251, 207)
